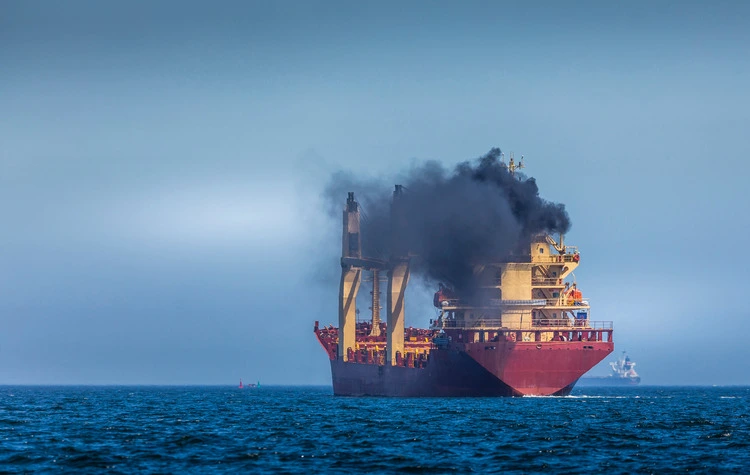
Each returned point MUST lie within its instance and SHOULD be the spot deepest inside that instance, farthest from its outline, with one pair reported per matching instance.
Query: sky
(162, 166)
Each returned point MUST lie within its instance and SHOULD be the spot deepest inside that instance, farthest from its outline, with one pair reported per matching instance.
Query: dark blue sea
(122, 429)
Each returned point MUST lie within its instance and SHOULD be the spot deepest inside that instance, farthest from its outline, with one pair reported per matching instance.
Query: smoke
(451, 221)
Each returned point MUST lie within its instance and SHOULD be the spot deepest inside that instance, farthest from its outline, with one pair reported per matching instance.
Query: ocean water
(307, 429)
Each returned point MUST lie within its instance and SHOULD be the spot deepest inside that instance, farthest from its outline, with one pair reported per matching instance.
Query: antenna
(512, 166)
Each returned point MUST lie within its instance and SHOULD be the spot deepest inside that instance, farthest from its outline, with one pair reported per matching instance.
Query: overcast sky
(161, 166)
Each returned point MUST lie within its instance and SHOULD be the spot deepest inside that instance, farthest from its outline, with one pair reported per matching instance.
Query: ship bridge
(526, 292)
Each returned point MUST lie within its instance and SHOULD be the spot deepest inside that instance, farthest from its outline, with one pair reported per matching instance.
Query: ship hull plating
(607, 381)
(480, 369)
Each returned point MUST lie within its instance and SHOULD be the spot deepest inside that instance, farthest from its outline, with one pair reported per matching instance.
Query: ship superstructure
(623, 374)
(528, 332)
(624, 368)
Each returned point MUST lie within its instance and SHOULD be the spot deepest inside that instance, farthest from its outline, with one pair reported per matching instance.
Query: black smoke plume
(452, 221)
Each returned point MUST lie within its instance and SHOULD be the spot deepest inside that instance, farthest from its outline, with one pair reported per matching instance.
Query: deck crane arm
(558, 247)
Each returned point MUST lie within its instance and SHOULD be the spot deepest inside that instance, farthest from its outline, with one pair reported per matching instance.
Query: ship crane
(558, 247)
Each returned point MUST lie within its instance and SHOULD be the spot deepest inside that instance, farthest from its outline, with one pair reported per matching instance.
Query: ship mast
(512, 165)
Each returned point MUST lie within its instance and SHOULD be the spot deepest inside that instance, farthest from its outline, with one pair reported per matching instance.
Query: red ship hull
(501, 368)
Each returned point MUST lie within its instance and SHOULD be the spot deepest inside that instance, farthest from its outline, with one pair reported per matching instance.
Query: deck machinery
(531, 335)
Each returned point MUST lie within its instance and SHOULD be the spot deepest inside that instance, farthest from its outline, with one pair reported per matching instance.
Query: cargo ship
(530, 335)
(623, 374)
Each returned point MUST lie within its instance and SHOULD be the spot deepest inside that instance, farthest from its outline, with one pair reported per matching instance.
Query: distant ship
(623, 374)
(243, 386)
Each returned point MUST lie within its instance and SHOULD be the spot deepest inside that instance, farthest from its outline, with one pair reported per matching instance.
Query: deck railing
(454, 304)
(566, 302)
(489, 323)
(573, 323)
(553, 281)
(556, 259)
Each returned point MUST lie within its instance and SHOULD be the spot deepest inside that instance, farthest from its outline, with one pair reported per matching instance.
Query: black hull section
(450, 373)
